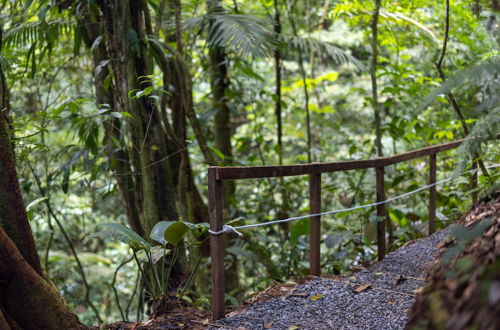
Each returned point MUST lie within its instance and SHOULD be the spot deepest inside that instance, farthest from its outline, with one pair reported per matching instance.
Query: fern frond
(487, 76)
(323, 49)
(242, 34)
(480, 75)
(485, 129)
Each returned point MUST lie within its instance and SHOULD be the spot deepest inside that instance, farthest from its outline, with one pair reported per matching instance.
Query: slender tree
(277, 70)
(373, 74)
(376, 104)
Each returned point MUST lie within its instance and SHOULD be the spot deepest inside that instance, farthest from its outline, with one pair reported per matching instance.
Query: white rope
(226, 229)
(229, 229)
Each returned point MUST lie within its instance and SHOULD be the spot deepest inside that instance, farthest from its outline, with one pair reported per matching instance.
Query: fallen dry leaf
(235, 312)
(316, 297)
(268, 325)
(362, 287)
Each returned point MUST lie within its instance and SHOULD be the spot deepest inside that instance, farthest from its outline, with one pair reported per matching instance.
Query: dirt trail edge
(375, 298)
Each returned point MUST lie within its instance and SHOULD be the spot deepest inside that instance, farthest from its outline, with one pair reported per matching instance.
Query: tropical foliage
(116, 109)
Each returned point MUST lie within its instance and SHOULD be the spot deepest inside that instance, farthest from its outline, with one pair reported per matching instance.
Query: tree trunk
(303, 75)
(29, 299)
(125, 27)
(119, 158)
(376, 105)
(13, 218)
(277, 69)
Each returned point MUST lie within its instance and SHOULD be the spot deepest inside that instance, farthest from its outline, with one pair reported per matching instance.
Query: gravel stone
(382, 306)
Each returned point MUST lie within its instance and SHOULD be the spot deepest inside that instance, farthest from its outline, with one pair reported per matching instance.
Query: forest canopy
(111, 112)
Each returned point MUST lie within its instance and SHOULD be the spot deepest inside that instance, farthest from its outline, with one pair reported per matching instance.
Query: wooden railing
(216, 175)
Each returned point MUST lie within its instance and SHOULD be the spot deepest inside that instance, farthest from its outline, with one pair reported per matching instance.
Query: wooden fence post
(474, 183)
(216, 243)
(314, 224)
(432, 194)
(380, 213)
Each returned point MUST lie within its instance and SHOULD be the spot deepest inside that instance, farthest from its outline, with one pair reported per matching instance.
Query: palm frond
(323, 49)
(40, 30)
(242, 34)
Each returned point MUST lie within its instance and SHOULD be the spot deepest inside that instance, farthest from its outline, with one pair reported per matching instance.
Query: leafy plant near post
(170, 235)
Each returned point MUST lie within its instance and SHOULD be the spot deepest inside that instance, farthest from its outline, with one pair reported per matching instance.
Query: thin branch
(306, 92)
(450, 95)
(162, 60)
(117, 298)
(69, 242)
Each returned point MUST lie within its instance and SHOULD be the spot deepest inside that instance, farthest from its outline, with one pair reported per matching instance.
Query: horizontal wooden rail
(255, 172)
(218, 174)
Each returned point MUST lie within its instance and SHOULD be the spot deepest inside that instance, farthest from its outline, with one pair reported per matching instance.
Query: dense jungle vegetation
(112, 111)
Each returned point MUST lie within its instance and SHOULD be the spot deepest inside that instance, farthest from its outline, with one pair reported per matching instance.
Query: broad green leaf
(123, 234)
(176, 231)
(156, 253)
(169, 232)
(158, 231)
(298, 229)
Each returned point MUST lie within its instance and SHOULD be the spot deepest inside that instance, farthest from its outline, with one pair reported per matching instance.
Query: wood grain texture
(315, 224)
(432, 194)
(216, 243)
(253, 172)
(380, 213)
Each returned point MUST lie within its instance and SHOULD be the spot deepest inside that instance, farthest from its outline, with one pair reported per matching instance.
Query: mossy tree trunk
(118, 155)
(125, 40)
(28, 298)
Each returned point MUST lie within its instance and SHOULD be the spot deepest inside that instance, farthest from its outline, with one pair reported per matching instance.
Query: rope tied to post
(226, 229)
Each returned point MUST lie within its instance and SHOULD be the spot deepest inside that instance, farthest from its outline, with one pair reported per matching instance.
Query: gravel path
(344, 302)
